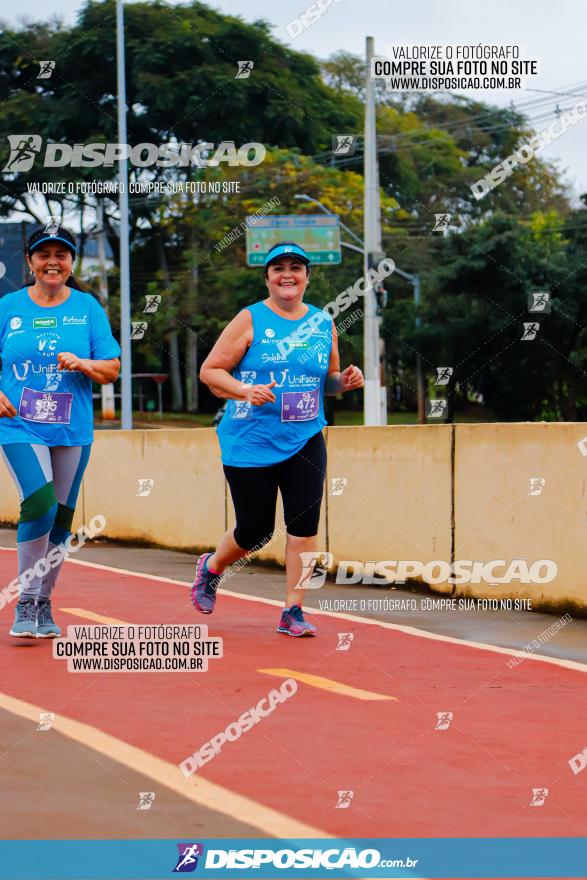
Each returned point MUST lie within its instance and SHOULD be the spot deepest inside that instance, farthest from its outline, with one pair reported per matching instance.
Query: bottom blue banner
(486, 857)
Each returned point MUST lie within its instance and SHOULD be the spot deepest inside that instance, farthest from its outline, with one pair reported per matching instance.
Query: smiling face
(51, 263)
(287, 278)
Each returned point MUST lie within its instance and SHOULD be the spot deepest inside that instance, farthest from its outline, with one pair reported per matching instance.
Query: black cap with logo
(51, 232)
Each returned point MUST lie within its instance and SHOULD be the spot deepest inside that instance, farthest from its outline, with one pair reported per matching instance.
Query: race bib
(43, 406)
(300, 406)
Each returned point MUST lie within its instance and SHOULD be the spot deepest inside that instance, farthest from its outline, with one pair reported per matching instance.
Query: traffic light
(380, 296)
(373, 261)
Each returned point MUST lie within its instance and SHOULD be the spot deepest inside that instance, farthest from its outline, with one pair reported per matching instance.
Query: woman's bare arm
(228, 351)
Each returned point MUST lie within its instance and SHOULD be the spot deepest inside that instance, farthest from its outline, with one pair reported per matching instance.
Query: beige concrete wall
(186, 505)
(497, 518)
(396, 503)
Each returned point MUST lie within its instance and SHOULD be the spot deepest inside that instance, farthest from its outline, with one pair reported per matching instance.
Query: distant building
(13, 238)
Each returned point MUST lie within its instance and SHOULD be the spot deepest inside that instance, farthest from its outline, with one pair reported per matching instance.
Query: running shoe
(46, 626)
(292, 622)
(203, 589)
(25, 625)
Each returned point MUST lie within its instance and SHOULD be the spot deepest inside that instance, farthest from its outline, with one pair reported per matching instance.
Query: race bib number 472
(300, 406)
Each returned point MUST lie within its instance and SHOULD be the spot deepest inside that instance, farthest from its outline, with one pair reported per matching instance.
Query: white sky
(552, 32)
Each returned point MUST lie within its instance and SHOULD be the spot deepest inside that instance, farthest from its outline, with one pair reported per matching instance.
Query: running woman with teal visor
(274, 363)
(54, 341)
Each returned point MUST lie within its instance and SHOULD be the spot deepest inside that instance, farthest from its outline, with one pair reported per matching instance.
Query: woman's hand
(102, 372)
(72, 363)
(351, 378)
(260, 394)
(7, 411)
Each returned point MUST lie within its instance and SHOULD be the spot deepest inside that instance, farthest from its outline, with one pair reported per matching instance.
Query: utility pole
(380, 338)
(373, 253)
(108, 406)
(419, 373)
(126, 366)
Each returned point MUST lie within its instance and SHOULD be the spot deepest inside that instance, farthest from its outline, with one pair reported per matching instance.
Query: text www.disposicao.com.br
(134, 664)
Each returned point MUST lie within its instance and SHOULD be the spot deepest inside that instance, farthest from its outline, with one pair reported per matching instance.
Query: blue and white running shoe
(46, 626)
(25, 620)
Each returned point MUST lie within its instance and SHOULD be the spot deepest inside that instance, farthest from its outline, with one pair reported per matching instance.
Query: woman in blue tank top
(274, 362)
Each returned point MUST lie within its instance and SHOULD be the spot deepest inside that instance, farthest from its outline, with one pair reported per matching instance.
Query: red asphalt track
(513, 730)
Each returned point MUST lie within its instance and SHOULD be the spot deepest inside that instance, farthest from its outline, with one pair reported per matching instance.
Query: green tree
(473, 312)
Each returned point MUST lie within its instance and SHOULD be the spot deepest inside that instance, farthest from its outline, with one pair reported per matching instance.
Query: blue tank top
(256, 436)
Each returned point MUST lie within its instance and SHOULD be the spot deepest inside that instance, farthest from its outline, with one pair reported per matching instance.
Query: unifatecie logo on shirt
(303, 380)
(51, 372)
(21, 370)
(280, 379)
(44, 323)
(71, 319)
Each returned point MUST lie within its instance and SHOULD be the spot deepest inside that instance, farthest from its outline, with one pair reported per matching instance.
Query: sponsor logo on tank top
(294, 344)
(304, 380)
(273, 358)
(280, 379)
(269, 339)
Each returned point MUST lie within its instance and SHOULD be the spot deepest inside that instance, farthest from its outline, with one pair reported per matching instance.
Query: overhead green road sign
(318, 234)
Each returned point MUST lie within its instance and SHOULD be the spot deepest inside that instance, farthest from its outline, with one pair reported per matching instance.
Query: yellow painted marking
(327, 684)
(195, 789)
(318, 681)
(89, 615)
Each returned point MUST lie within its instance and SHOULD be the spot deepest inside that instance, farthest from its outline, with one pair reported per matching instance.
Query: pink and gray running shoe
(293, 624)
(203, 589)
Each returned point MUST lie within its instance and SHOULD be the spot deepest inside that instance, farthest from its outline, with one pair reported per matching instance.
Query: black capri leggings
(300, 479)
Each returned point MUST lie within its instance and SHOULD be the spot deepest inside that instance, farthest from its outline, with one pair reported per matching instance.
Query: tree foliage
(181, 66)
